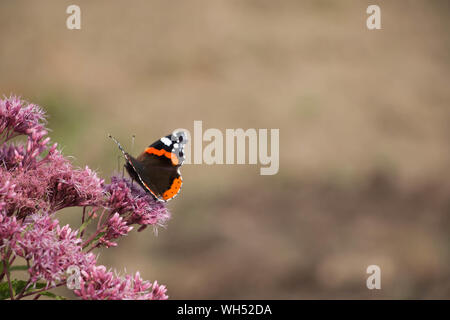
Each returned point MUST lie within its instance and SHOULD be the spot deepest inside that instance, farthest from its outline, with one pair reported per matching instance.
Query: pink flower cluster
(138, 206)
(36, 181)
(51, 248)
(98, 283)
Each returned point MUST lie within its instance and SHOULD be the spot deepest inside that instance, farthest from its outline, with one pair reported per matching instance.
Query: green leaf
(39, 285)
(4, 290)
(17, 286)
(84, 225)
(52, 295)
(101, 234)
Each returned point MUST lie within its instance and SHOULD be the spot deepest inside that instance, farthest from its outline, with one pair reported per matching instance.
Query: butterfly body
(157, 169)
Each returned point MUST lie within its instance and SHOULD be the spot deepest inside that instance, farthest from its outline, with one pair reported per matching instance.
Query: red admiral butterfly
(157, 169)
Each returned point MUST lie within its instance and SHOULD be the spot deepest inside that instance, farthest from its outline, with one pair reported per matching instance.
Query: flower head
(51, 249)
(115, 228)
(17, 117)
(127, 197)
(70, 187)
(100, 284)
(10, 230)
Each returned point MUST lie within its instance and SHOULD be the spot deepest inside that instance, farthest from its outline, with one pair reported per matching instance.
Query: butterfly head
(178, 140)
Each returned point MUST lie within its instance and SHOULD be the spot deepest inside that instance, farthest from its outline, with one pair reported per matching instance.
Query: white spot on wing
(166, 141)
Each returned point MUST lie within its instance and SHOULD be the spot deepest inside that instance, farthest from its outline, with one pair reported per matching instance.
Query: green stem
(92, 237)
(44, 289)
(20, 295)
(11, 291)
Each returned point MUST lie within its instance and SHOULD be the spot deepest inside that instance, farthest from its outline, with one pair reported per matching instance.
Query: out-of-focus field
(364, 135)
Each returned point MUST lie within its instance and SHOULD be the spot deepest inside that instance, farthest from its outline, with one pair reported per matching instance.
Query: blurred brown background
(364, 135)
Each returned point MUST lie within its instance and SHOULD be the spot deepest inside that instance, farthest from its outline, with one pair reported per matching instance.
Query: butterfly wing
(156, 174)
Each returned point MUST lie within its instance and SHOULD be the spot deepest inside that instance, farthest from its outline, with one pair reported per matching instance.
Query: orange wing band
(161, 152)
(174, 188)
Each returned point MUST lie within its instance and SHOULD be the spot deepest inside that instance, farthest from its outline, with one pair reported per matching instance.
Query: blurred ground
(363, 118)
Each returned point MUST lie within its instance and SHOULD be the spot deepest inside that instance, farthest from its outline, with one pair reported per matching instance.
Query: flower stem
(11, 291)
(92, 237)
(24, 289)
(44, 289)
(82, 220)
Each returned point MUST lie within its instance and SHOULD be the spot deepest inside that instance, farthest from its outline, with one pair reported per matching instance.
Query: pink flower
(127, 197)
(49, 187)
(10, 231)
(51, 249)
(115, 228)
(159, 292)
(120, 198)
(70, 187)
(22, 192)
(7, 193)
(99, 284)
(17, 117)
(11, 156)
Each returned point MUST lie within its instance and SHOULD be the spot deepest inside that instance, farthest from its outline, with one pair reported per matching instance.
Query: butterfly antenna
(118, 158)
(118, 144)
(132, 143)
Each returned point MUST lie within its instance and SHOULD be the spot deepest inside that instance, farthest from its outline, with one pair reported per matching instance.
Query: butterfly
(157, 169)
